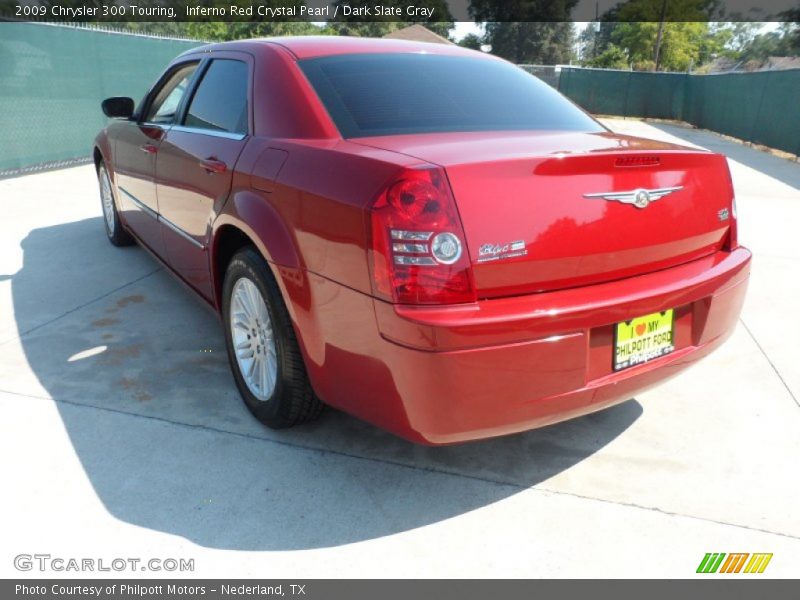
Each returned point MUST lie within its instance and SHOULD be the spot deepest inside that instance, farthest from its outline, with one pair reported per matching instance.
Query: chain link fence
(547, 73)
(52, 80)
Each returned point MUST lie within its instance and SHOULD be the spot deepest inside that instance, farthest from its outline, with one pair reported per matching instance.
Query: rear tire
(114, 230)
(263, 352)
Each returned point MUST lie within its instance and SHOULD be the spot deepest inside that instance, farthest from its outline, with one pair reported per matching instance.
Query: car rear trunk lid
(550, 211)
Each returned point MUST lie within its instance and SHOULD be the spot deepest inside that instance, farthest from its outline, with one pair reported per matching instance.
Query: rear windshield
(384, 94)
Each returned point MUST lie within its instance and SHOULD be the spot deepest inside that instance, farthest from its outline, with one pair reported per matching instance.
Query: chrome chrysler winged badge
(640, 198)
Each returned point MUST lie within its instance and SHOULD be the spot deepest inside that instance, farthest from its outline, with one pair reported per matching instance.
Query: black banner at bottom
(319, 589)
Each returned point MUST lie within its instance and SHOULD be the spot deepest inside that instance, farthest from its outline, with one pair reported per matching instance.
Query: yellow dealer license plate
(643, 338)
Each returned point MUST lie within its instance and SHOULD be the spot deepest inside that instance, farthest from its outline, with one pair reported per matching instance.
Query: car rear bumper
(443, 375)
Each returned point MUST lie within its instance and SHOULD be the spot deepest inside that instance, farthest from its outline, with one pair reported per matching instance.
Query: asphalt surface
(122, 433)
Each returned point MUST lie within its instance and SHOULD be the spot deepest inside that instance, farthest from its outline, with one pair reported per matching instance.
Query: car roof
(303, 47)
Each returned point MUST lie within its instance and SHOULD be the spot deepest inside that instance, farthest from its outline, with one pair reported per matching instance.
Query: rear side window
(383, 94)
(220, 102)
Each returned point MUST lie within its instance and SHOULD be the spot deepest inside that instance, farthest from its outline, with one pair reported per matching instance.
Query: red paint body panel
(190, 196)
(133, 168)
(529, 188)
(450, 374)
(535, 347)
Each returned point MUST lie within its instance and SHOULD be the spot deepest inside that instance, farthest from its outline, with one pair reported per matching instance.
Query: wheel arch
(101, 151)
(249, 218)
(228, 238)
(97, 156)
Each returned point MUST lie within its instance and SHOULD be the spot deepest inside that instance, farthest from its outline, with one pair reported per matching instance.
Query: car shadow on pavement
(782, 169)
(138, 372)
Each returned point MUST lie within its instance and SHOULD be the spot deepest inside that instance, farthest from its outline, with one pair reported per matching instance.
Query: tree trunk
(657, 56)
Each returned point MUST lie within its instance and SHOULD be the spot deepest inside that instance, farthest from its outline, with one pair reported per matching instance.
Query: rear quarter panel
(312, 214)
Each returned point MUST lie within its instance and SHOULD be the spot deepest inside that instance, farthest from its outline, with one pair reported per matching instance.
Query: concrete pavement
(123, 434)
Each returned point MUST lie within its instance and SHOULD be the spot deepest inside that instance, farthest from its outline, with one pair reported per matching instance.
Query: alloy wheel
(253, 339)
(108, 200)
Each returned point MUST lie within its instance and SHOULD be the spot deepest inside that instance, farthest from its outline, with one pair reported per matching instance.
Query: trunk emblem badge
(488, 252)
(640, 198)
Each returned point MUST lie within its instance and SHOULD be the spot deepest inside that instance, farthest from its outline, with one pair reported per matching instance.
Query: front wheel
(262, 348)
(114, 230)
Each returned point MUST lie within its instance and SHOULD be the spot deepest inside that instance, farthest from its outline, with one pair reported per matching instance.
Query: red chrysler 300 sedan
(420, 235)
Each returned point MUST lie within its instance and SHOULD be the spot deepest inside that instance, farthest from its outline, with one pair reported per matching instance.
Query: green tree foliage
(595, 39)
(672, 10)
(613, 57)
(587, 41)
(784, 41)
(527, 31)
(471, 41)
(690, 38)
(633, 27)
(537, 43)
(735, 36)
(521, 10)
(682, 44)
(792, 30)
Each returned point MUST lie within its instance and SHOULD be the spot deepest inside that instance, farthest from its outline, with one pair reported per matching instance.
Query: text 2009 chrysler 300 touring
(420, 235)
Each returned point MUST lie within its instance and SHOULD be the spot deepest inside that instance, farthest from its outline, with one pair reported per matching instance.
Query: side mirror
(118, 108)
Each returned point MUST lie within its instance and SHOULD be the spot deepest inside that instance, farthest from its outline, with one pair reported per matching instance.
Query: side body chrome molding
(181, 232)
(151, 213)
(146, 209)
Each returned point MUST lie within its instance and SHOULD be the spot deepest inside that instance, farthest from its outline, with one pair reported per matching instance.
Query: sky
(463, 29)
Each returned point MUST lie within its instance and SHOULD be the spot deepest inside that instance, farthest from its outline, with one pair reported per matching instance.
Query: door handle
(148, 148)
(212, 166)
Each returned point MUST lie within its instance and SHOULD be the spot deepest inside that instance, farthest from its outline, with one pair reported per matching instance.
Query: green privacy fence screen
(762, 107)
(52, 79)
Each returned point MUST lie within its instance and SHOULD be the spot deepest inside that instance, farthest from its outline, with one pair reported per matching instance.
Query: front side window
(168, 98)
(220, 102)
(386, 94)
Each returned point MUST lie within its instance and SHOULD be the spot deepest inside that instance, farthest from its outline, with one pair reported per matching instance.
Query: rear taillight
(418, 251)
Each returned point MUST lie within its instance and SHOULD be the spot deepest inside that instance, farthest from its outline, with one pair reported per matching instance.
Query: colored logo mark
(737, 562)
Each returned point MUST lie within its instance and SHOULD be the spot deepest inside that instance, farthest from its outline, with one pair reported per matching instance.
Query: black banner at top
(400, 10)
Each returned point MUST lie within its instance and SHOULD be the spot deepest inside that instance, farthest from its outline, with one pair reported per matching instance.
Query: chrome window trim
(181, 232)
(161, 126)
(211, 132)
